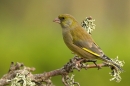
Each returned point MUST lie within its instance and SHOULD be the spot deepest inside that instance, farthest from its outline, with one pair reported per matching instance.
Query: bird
(80, 42)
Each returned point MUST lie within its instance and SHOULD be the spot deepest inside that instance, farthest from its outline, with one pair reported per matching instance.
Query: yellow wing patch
(91, 52)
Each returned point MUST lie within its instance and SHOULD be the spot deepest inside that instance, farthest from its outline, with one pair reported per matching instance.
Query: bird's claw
(94, 61)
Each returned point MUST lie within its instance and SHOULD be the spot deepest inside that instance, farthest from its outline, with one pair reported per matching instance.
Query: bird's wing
(88, 45)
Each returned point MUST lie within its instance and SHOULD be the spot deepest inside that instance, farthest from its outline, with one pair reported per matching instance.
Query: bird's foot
(94, 61)
(79, 63)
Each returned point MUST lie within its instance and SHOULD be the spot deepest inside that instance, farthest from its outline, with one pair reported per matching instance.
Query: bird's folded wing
(89, 46)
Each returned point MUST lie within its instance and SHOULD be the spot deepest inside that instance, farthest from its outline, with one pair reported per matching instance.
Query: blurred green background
(28, 35)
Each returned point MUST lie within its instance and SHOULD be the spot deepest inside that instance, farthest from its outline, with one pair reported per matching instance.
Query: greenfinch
(79, 41)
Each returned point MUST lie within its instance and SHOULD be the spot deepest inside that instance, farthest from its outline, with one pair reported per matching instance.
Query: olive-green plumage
(79, 41)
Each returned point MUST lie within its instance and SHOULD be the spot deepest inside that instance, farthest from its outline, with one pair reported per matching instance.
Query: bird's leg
(78, 64)
(80, 60)
(94, 61)
(84, 60)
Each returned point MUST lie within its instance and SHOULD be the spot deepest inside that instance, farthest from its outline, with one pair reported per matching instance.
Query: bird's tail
(111, 62)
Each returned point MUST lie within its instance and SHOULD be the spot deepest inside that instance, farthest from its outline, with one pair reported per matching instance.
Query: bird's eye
(62, 18)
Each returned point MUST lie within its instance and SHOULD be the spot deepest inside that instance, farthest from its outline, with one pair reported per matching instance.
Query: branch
(20, 74)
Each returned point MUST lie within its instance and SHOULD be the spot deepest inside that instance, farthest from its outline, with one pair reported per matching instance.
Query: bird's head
(66, 21)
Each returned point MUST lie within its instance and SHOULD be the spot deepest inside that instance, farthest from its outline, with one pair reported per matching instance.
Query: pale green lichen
(70, 81)
(116, 76)
(22, 80)
(88, 24)
(116, 73)
(120, 63)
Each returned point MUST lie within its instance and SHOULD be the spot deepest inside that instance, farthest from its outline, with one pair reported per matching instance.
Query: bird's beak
(57, 20)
